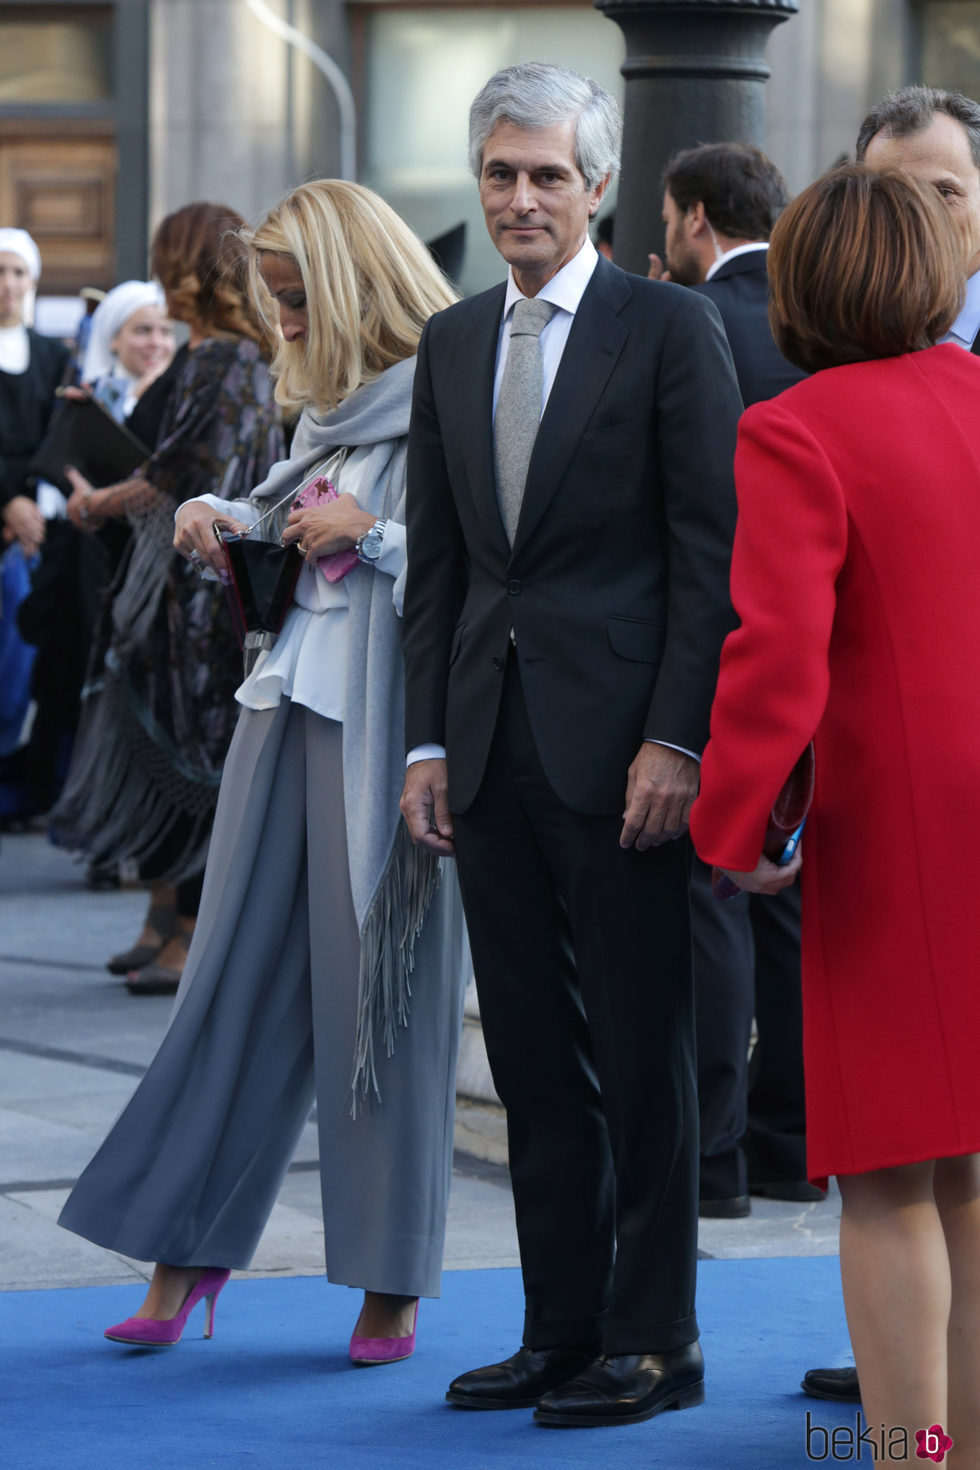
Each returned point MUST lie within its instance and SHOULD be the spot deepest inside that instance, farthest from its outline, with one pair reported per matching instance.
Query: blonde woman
(329, 956)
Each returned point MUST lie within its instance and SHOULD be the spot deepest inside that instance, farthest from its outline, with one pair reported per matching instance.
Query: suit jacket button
(498, 662)
(514, 587)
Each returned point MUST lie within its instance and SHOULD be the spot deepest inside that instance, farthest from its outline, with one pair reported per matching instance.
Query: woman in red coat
(856, 576)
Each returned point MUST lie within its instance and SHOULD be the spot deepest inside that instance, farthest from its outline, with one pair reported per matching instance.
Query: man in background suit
(720, 203)
(563, 622)
(935, 136)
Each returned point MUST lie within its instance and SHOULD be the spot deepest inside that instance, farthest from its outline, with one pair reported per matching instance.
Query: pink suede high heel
(152, 1332)
(371, 1352)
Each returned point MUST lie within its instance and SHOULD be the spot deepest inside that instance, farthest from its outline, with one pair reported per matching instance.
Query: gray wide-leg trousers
(263, 1023)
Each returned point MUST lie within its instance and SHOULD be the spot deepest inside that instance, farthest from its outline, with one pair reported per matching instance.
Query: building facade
(114, 113)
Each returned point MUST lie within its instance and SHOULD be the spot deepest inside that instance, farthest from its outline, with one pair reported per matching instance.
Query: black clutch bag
(84, 434)
(789, 813)
(263, 579)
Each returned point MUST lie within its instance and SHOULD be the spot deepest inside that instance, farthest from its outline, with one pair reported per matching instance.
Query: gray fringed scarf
(392, 881)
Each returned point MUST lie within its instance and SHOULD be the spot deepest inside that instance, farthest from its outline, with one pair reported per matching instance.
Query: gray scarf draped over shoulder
(392, 881)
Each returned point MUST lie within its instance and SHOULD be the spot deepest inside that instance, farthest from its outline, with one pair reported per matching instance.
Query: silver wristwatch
(368, 546)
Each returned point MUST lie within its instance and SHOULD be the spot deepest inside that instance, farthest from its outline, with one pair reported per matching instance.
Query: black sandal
(162, 918)
(154, 979)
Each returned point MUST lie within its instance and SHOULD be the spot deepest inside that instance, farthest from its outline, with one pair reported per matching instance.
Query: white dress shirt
(731, 254)
(15, 350)
(565, 290)
(967, 324)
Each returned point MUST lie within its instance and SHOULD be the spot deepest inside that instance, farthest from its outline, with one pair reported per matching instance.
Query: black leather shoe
(724, 1209)
(833, 1383)
(517, 1382)
(627, 1390)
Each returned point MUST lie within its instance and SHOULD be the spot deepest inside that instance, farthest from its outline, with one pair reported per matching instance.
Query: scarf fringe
(134, 606)
(393, 924)
(123, 797)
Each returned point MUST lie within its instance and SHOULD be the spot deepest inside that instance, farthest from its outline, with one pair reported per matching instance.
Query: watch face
(371, 545)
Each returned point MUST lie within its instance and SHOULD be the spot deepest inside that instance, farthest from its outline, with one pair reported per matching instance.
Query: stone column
(237, 115)
(695, 73)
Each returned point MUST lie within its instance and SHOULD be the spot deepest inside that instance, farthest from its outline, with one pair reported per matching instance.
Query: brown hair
(863, 265)
(200, 262)
(742, 190)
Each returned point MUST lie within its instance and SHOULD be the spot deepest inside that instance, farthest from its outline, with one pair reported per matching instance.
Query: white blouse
(15, 350)
(308, 662)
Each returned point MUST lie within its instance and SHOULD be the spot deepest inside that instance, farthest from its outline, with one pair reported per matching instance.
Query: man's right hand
(656, 270)
(425, 806)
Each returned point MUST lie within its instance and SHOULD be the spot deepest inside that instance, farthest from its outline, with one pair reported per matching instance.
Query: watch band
(368, 547)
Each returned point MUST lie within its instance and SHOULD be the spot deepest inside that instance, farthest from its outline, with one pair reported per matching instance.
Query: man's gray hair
(913, 108)
(538, 95)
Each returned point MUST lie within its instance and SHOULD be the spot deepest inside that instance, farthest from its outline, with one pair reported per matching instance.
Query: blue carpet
(274, 1390)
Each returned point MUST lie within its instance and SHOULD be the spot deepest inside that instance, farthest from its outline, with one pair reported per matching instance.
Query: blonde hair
(370, 283)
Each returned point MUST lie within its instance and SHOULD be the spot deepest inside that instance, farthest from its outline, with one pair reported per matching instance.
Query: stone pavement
(73, 1042)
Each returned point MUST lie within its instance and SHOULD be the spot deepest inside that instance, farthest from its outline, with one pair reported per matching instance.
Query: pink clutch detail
(319, 492)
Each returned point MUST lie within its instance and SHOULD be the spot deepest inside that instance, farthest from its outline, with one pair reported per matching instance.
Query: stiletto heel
(370, 1352)
(154, 1332)
(209, 1302)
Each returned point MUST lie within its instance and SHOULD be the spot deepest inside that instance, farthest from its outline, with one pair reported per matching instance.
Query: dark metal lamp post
(695, 73)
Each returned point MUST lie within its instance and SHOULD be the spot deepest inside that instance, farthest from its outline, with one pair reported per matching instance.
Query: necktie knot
(531, 316)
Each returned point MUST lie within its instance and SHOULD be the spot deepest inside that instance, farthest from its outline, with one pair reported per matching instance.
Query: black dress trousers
(582, 954)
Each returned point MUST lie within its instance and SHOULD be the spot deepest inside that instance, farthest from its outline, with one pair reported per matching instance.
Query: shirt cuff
(392, 559)
(648, 740)
(245, 511)
(430, 752)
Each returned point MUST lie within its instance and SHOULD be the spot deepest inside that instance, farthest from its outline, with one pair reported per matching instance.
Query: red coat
(856, 575)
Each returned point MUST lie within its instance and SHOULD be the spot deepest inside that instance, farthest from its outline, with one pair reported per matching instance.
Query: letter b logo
(817, 1448)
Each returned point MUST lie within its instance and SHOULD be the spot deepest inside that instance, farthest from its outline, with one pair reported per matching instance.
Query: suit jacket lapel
(479, 353)
(594, 344)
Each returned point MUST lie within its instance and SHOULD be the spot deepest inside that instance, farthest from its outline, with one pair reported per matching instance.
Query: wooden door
(59, 184)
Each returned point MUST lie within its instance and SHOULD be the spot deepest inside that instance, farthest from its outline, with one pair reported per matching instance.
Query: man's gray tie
(515, 424)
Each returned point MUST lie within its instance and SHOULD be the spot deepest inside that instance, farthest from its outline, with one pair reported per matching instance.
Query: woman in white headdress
(125, 367)
(31, 367)
(130, 344)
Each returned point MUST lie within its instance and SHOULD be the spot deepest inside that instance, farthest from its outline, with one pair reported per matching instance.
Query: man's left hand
(660, 791)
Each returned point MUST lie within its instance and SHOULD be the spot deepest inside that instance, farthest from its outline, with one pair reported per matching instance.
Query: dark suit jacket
(740, 290)
(617, 585)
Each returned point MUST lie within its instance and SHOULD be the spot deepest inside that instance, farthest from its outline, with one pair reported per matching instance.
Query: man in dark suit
(561, 648)
(935, 136)
(720, 203)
